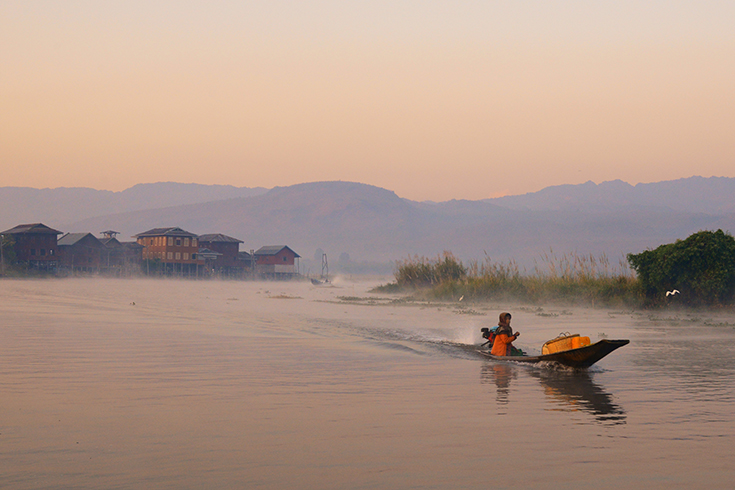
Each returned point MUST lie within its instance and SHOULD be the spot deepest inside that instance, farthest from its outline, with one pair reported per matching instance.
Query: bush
(701, 267)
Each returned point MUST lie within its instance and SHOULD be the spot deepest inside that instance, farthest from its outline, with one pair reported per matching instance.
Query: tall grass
(419, 271)
(570, 279)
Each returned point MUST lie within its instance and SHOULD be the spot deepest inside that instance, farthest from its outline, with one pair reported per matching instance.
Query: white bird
(672, 293)
(461, 297)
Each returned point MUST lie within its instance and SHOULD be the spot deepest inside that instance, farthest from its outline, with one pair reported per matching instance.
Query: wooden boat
(582, 357)
(324, 279)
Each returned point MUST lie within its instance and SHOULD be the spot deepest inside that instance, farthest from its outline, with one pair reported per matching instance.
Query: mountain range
(374, 225)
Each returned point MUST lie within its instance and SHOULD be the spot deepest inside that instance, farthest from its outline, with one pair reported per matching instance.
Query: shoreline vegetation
(698, 271)
(570, 279)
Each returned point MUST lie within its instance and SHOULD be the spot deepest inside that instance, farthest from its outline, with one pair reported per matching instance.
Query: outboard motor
(489, 334)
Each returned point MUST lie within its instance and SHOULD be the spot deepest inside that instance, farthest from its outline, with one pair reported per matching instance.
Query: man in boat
(504, 336)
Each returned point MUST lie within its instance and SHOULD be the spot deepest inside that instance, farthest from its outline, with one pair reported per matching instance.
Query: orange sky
(434, 100)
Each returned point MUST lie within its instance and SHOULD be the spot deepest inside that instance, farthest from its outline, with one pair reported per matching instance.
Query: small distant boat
(324, 279)
(580, 357)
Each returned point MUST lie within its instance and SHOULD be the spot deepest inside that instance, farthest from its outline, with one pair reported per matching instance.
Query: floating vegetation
(711, 323)
(552, 315)
(284, 296)
(468, 311)
(376, 301)
(672, 319)
(531, 310)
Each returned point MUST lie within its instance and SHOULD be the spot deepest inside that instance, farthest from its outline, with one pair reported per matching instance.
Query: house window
(193, 256)
(178, 255)
(51, 252)
(43, 251)
(33, 251)
(178, 242)
(170, 241)
(186, 256)
(193, 242)
(170, 255)
(284, 259)
(186, 242)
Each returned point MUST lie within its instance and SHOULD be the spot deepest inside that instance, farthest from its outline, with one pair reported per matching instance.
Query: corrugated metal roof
(31, 228)
(73, 238)
(206, 254)
(218, 238)
(110, 242)
(173, 231)
(273, 250)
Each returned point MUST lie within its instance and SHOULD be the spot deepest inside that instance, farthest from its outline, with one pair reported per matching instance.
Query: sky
(435, 100)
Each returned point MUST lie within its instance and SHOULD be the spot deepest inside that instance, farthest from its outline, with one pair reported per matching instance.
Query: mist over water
(225, 384)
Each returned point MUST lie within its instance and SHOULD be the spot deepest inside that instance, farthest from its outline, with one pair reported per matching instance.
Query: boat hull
(582, 357)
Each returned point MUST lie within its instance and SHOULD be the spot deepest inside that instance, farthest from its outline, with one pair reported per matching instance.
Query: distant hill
(714, 195)
(65, 205)
(371, 224)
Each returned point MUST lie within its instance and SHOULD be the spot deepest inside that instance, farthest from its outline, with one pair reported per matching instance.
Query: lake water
(223, 384)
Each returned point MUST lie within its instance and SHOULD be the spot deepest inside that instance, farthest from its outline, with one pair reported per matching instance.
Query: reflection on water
(501, 374)
(569, 390)
(578, 391)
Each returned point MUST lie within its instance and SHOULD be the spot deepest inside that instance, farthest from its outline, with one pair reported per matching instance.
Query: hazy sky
(432, 99)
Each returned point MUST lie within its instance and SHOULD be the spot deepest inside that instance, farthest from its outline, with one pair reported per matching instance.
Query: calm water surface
(186, 384)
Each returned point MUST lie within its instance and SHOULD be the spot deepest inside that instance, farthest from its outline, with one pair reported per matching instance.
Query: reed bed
(569, 279)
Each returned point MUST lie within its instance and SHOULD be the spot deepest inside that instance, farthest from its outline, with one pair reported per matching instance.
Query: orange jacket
(502, 344)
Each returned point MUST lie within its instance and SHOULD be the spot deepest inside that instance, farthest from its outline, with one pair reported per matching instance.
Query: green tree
(8, 253)
(701, 267)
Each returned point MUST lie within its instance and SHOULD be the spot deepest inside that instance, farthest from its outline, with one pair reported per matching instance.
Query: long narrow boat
(581, 357)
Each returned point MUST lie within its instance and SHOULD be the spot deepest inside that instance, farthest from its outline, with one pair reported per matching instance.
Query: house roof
(173, 231)
(111, 242)
(73, 238)
(31, 228)
(207, 253)
(273, 250)
(218, 238)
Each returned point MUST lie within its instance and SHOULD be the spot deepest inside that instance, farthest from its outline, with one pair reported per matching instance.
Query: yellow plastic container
(578, 342)
(565, 342)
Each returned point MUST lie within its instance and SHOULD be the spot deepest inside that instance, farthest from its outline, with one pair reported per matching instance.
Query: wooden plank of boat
(582, 357)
